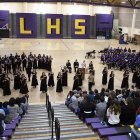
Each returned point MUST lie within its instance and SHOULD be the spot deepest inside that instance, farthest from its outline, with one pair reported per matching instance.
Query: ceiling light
(123, 2)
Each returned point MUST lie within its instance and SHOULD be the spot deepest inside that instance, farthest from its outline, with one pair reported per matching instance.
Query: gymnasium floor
(61, 50)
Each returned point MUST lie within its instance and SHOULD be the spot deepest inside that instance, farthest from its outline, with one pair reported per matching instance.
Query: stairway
(35, 125)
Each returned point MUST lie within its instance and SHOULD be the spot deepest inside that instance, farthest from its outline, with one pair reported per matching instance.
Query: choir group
(16, 64)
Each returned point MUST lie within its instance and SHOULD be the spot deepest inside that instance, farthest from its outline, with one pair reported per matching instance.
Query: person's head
(5, 104)
(102, 99)
(43, 73)
(96, 91)
(103, 90)
(0, 104)
(112, 72)
(23, 100)
(12, 101)
(86, 98)
(18, 101)
(129, 101)
(115, 107)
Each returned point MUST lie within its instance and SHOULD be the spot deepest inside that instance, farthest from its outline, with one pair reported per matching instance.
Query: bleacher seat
(7, 133)
(121, 137)
(99, 125)
(92, 120)
(114, 131)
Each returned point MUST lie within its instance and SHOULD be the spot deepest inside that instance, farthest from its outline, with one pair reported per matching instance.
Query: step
(49, 130)
(41, 121)
(63, 136)
(44, 127)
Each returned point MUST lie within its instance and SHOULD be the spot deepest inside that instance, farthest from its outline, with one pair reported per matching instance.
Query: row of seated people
(120, 59)
(11, 110)
(115, 108)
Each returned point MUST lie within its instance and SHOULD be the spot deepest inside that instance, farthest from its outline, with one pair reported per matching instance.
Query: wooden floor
(61, 50)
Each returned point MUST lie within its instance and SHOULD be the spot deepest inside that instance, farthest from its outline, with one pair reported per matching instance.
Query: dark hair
(0, 104)
(23, 100)
(18, 101)
(115, 106)
(102, 99)
(12, 101)
(130, 102)
(5, 104)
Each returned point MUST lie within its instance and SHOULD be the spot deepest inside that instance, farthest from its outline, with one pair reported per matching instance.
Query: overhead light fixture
(123, 2)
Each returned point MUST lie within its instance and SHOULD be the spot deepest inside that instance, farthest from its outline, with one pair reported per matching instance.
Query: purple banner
(104, 21)
(80, 26)
(54, 25)
(26, 25)
(4, 19)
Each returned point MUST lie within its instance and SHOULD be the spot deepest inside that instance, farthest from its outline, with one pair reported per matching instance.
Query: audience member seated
(86, 108)
(128, 112)
(101, 109)
(136, 99)
(113, 113)
(73, 103)
(13, 109)
(24, 104)
(18, 102)
(2, 116)
(135, 134)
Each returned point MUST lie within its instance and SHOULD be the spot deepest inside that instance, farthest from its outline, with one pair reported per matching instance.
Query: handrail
(51, 119)
(57, 129)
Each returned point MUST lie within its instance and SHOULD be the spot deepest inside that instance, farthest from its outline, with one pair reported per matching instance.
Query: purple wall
(86, 24)
(53, 22)
(4, 18)
(104, 21)
(29, 24)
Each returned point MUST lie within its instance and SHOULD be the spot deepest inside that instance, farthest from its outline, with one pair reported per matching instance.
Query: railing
(50, 112)
(57, 129)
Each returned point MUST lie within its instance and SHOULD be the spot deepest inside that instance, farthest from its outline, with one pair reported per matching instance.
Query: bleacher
(41, 123)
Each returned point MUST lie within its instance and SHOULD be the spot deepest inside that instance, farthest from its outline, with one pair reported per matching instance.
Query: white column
(133, 22)
(59, 7)
(25, 7)
(90, 9)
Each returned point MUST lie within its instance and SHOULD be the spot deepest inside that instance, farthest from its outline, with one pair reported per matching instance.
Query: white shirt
(112, 118)
(83, 65)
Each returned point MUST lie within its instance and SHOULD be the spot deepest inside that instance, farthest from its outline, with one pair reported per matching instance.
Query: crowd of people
(119, 58)
(16, 64)
(120, 105)
(10, 110)
(113, 108)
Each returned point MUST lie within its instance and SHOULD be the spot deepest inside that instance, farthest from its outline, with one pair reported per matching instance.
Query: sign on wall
(4, 19)
(54, 24)
(80, 26)
(104, 21)
(26, 25)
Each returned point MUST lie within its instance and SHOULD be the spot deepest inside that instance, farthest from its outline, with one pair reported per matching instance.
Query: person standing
(28, 71)
(91, 81)
(68, 64)
(65, 76)
(105, 74)
(34, 79)
(59, 87)
(43, 85)
(6, 85)
(125, 80)
(17, 82)
(111, 81)
(24, 87)
(76, 65)
(51, 79)
(75, 82)
(138, 80)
